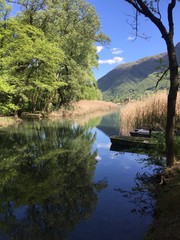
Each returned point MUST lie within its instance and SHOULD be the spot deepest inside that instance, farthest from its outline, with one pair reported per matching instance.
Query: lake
(62, 180)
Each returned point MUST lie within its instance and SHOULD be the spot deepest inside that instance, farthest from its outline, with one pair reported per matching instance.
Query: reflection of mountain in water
(110, 124)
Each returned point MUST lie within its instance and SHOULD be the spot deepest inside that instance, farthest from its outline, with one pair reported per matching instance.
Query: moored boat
(143, 133)
(133, 142)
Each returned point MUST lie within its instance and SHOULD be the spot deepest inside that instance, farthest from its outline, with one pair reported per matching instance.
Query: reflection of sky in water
(101, 145)
(20, 212)
(113, 218)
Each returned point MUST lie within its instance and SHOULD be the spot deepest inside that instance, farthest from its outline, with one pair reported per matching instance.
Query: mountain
(132, 80)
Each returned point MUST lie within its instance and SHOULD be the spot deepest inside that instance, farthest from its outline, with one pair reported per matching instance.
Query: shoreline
(166, 223)
(82, 108)
(6, 121)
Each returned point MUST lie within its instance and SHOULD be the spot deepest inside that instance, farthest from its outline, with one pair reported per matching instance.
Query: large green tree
(29, 65)
(49, 60)
(152, 10)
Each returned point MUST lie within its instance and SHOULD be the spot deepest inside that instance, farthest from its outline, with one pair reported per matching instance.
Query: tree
(51, 53)
(29, 65)
(151, 10)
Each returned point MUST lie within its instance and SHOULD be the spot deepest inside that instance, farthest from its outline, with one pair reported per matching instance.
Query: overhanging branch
(164, 73)
(142, 7)
(171, 6)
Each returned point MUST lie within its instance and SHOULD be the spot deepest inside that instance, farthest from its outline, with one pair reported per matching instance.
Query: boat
(140, 132)
(133, 142)
(143, 133)
(137, 150)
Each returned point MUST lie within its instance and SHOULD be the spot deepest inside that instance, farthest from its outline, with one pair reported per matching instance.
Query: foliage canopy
(47, 54)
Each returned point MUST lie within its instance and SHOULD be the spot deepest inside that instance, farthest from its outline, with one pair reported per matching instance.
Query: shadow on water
(146, 185)
(46, 180)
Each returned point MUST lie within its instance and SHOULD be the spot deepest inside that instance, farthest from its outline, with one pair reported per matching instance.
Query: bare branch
(142, 7)
(158, 9)
(171, 6)
(135, 5)
(135, 27)
(164, 73)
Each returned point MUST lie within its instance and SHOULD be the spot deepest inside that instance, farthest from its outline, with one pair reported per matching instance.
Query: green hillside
(131, 90)
(135, 79)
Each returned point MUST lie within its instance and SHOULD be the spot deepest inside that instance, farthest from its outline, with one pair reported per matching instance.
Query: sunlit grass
(151, 110)
(85, 107)
(6, 121)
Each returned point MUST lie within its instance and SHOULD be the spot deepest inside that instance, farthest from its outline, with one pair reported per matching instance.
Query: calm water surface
(59, 180)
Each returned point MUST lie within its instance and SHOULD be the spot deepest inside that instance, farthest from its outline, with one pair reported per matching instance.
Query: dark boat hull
(133, 142)
(144, 133)
(136, 134)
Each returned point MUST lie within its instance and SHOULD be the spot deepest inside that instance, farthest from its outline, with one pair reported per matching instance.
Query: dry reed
(151, 110)
(85, 107)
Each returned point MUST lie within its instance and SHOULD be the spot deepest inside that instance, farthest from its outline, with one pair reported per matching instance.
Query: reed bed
(85, 107)
(151, 110)
(6, 121)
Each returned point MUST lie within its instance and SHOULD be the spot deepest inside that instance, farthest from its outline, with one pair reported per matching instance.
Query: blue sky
(114, 16)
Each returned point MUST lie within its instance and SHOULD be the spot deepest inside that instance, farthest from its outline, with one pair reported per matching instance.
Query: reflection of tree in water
(46, 180)
(143, 194)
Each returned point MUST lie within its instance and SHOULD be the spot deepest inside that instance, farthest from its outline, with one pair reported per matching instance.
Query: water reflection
(110, 125)
(58, 181)
(46, 179)
(146, 185)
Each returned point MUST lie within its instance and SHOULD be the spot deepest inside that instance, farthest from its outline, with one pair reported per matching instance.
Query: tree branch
(134, 26)
(140, 6)
(135, 5)
(164, 73)
(158, 9)
(171, 6)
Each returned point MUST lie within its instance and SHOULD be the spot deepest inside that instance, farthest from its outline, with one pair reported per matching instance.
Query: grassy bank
(151, 110)
(6, 121)
(167, 215)
(85, 109)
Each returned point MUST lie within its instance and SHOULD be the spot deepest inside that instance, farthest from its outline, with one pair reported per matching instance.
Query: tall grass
(151, 110)
(85, 107)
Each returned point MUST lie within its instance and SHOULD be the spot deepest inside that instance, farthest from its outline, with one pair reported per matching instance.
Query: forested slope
(132, 80)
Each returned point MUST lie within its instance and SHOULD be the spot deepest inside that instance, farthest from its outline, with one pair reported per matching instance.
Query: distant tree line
(47, 52)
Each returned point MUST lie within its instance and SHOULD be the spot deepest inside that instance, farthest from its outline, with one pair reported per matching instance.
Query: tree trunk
(145, 8)
(171, 105)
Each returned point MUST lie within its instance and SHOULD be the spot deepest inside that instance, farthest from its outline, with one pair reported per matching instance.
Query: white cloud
(116, 51)
(111, 61)
(99, 48)
(98, 158)
(131, 38)
(103, 145)
(127, 167)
